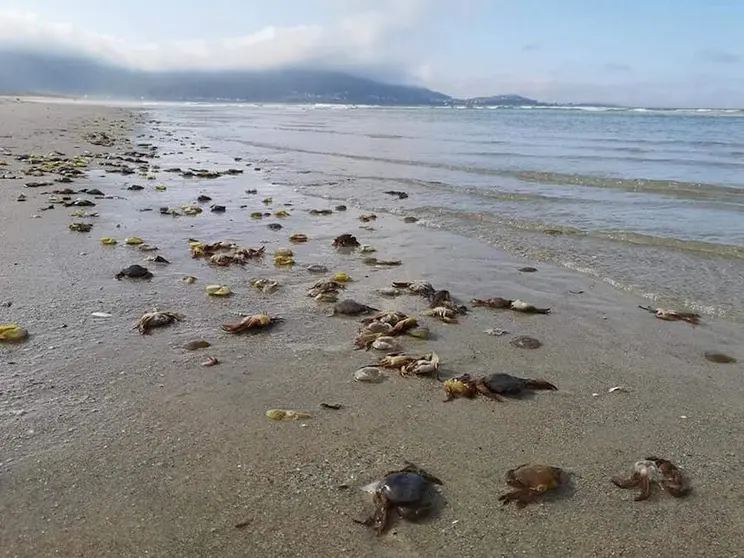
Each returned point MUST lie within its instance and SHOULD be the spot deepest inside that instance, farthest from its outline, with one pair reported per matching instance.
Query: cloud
(364, 33)
(719, 56)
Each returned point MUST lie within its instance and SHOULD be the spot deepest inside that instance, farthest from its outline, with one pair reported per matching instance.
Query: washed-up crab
(399, 321)
(494, 386)
(325, 287)
(409, 492)
(135, 271)
(516, 305)
(252, 323)
(443, 314)
(422, 288)
(654, 470)
(351, 307)
(346, 241)
(411, 365)
(156, 318)
(531, 482)
(672, 315)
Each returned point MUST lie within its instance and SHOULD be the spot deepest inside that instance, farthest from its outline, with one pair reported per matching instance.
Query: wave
(689, 190)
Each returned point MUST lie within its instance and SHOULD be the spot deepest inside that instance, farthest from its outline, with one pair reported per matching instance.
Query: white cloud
(360, 35)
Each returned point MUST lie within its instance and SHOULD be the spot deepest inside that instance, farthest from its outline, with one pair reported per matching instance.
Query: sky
(632, 52)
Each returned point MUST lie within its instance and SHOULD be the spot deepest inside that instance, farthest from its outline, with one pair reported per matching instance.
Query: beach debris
(381, 263)
(134, 271)
(367, 217)
(516, 305)
(317, 268)
(160, 188)
(80, 227)
(286, 414)
(273, 226)
(654, 470)
(147, 248)
(495, 331)
(196, 345)
(531, 482)
(253, 322)
(315, 212)
(399, 322)
(210, 361)
(369, 374)
(526, 342)
(189, 279)
(672, 315)
(349, 307)
(283, 256)
(426, 365)
(267, 201)
(719, 358)
(266, 286)
(298, 237)
(341, 208)
(217, 208)
(327, 297)
(325, 287)
(281, 213)
(259, 215)
(409, 492)
(12, 333)
(346, 241)
(133, 241)
(332, 406)
(410, 219)
(135, 188)
(366, 249)
(389, 291)
(400, 195)
(82, 214)
(224, 253)
(218, 290)
(108, 241)
(341, 278)
(528, 269)
(385, 343)
(203, 198)
(100, 314)
(156, 318)
(157, 259)
(445, 315)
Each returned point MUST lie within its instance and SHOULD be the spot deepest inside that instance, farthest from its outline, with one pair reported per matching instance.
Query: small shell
(12, 333)
(327, 297)
(148, 248)
(196, 345)
(526, 342)
(282, 213)
(283, 260)
(160, 188)
(317, 268)
(298, 237)
(133, 241)
(341, 277)
(369, 374)
(379, 327)
(108, 241)
(286, 414)
(719, 358)
(218, 290)
(189, 279)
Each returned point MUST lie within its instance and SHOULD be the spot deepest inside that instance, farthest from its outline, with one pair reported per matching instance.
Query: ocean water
(650, 202)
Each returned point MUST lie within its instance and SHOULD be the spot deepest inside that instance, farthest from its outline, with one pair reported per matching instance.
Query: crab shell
(397, 360)
(404, 325)
(378, 327)
(426, 365)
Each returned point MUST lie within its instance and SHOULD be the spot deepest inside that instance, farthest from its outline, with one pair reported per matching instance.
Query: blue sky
(652, 52)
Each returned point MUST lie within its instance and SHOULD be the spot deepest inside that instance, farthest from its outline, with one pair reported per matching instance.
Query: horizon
(572, 53)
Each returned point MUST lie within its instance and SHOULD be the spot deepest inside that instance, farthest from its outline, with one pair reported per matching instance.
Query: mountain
(43, 73)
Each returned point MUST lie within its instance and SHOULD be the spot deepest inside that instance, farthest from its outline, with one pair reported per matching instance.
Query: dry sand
(116, 444)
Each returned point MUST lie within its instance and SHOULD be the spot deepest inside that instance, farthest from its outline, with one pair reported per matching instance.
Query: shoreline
(153, 453)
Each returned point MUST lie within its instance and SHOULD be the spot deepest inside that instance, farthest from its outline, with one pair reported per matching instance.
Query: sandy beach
(117, 444)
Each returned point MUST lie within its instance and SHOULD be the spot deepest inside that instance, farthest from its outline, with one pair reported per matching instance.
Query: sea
(648, 201)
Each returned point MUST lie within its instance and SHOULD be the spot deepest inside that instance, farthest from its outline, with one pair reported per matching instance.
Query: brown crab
(654, 470)
(443, 314)
(493, 386)
(531, 482)
(346, 241)
(409, 492)
(254, 322)
(426, 365)
(516, 305)
(156, 318)
(673, 315)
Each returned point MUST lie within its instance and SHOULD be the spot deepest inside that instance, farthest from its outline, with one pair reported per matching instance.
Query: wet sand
(117, 444)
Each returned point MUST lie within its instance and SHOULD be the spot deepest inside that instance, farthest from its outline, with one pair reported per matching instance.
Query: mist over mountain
(35, 72)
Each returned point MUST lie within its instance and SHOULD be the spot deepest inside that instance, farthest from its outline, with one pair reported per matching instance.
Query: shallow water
(648, 202)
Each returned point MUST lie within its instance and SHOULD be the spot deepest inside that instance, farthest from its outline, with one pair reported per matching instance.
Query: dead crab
(516, 305)
(325, 287)
(494, 386)
(672, 315)
(254, 322)
(409, 492)
(423, 288)
(156, 318)
(443, 314)
(426, 365)
(531, 482)
(654, 470)
(346, 241)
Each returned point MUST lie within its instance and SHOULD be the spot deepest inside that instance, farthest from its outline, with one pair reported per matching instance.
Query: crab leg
(539, 384)
(645, 494)
(631, 482)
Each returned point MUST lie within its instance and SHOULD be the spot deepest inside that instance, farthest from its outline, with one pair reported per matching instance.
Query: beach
(114, 443)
